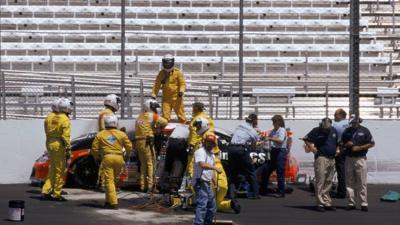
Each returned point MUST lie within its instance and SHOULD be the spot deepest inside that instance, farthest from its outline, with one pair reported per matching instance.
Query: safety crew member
(203, 175)
(147, 123)
(340, 123)
(111, 106)
(58, 144)
(173, 85)
(108, 146)
(323, 142)
(244, 138)
(278, 139)
(194, 139)
(203, 129)
(357, 141)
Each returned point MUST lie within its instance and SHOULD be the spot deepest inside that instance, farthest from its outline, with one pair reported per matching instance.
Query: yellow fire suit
(58, 141)
(222, 183)
(105, 112)
(172, 83)
(146, 125)
(195, 139)
(108, 145)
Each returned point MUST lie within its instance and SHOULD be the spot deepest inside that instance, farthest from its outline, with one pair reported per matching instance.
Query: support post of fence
(141, 95)
(210, 100)
(3, 95)
(230, 100)
(326, 100)
(73, 96)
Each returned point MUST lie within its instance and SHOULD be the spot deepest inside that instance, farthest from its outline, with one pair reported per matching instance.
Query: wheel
(85, 172)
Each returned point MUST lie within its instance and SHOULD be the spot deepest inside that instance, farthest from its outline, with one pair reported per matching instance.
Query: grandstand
(299, 46)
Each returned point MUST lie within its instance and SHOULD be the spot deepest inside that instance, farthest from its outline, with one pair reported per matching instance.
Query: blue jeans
(277, 162)
(205, 208)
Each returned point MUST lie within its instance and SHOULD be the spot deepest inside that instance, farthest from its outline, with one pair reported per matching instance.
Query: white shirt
(201, 155)
(180, 132)
(281, 135)
(340, 126)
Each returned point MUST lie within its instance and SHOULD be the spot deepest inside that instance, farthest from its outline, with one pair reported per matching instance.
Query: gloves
(153, 97)
(180, 94)
(191, 149)
(67, 153)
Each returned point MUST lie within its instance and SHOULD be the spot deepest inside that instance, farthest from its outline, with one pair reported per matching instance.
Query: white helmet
(168, 62)
(65, 105)
(201, 125)
(113, 101)
(111, 121)
(54, 105)
(151, 105)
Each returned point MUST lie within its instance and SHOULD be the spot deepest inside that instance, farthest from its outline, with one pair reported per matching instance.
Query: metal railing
(29, 95)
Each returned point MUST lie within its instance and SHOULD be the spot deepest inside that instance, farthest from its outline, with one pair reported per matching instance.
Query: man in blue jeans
(204, 166)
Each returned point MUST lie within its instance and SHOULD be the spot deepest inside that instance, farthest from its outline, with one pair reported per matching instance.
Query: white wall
(22, 141)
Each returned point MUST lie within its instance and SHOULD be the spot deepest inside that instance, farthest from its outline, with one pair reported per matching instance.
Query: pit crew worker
(357, 141)
(111, 106)
(58, 144)
(194, 139)
(147, 124)
(323, 142)
(340, 124)
(108, 147)
(203, 175)
(278, 139)
(243, 140)
(203, 130)
(173, 85)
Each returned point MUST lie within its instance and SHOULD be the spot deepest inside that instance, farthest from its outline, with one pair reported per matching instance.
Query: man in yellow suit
(108, 146)
(203, 129)
(58, 143)
(194, 139)
(173, 85)
(111, 105)
(147, 123)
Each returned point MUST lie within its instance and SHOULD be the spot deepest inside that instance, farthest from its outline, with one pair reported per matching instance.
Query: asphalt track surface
(85, 207)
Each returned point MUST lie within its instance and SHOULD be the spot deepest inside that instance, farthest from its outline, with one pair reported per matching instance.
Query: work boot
(364, 208)
(109, 206)
(46, 197)
(235, 206)
(320, 208)
(59, 199)
(330, 208)
(350, 207)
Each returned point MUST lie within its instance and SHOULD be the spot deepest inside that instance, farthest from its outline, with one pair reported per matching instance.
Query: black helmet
(168, 62)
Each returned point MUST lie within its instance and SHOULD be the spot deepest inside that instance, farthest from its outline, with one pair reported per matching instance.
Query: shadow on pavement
(92, 205)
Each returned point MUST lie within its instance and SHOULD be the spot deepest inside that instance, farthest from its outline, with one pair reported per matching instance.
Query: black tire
(85, 172)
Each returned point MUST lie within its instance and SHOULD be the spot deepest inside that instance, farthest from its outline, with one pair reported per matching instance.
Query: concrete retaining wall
(22, 141)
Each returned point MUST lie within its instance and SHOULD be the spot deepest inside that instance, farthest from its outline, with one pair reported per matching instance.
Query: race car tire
(85, 172)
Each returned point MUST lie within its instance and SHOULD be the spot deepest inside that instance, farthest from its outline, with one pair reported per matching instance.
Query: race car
(82, 170)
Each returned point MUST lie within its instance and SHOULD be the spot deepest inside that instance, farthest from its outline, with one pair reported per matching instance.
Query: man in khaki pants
(357, 140)
(322, 141)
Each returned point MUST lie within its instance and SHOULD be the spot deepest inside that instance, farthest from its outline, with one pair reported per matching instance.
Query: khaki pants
(356, 180)
(324, 169)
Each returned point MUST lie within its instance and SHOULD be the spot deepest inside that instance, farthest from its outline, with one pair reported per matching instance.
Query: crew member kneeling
(108, 146)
